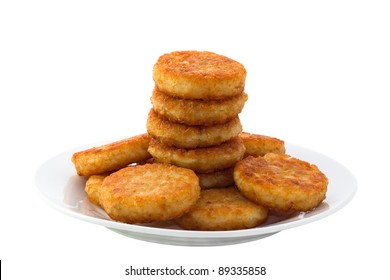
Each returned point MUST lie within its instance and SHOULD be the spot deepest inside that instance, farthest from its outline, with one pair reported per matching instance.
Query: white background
(78, 72)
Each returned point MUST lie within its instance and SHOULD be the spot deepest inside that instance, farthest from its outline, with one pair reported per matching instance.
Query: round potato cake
(259, 145)
(190, 137)
(112, 156)
(223, 209)
(199, 75)
(281, 182)
(202, 160)
(148, 193)
(197, 111)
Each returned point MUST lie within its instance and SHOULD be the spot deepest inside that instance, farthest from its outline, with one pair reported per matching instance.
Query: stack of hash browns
(195, 166)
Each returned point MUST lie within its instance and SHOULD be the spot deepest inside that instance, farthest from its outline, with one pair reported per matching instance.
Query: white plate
(63, 189)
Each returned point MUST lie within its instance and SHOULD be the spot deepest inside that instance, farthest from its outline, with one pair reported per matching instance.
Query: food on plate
(218, 179)
(199, 75)
(281, 182)
(194, 165)
(112, 156)
(259, 145)
(197, 111)
(92, 187)
(202, 160)
(223, 209)
(148, 193)
(190, 137)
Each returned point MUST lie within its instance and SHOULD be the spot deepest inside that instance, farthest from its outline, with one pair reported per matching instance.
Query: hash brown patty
(223, 209)
(190, 137)
(218, 179)
(281, 182)
(202, 160)
(199, 75)
(197, 111)
(112, 156)
(259, 145)
(148, 193)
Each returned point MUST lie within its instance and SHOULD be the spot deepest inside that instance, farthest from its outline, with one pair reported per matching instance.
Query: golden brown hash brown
(202, 160)
(259, 145)
(92, 187)
(197, 111)
(148, 193)
(218, 179)
(112, 156)
(223, 209)
(190, 137)
(199, 75)
(281, 182)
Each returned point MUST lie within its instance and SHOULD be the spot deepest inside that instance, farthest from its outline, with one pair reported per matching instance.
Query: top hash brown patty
(199, 75)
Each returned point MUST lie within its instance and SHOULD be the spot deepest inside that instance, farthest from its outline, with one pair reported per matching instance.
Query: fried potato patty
(199, 75)
(197, 111)
(223, 209)
(190, 137)
(259, 145)
(92, 187)
(281, 182)
(218, 179)
(112, 156)
(148, 193)
(202, 160)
